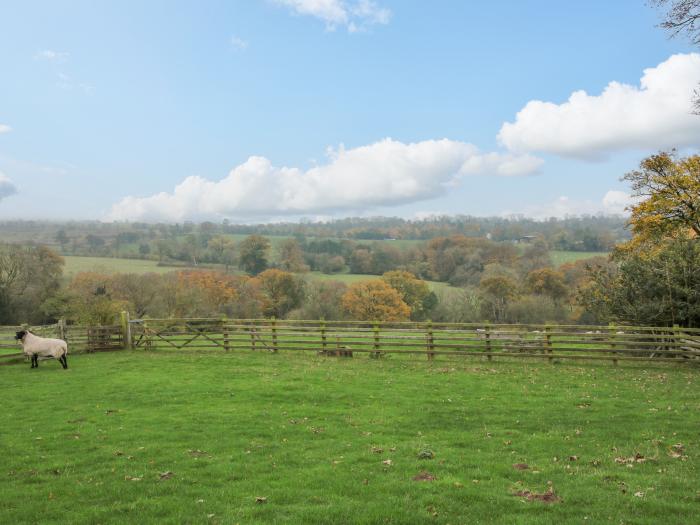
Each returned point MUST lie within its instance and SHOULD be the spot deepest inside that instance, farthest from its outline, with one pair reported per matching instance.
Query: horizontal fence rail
(420, 340)
(405, 340)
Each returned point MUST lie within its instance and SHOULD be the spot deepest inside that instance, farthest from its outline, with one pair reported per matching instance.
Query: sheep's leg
(35, 361)
(64, 361)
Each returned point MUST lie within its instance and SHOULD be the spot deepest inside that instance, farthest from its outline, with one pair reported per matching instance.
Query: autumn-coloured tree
(29, 275)
(668, 190)
(547, 281)
(497, 292)
(140, 291)
(375, 301)
(413, 291)
(219, 287)
(91, 300)
(361, 261)
(253, 254)
(323, 300)
(223, 249)
(281, 292)
(291, 256)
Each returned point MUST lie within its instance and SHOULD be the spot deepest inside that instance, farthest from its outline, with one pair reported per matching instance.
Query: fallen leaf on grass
(573, 458)
(132, 478)
(639, 494)
(637, 458)
(118, 453)
(166, 475)
(424, 475)
(260, 499)
(377, 450)
(521, 466)
(676, 451)
(388, 462)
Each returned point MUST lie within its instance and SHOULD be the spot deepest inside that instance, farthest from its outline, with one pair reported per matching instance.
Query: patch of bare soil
(547, 497)
(424, 475)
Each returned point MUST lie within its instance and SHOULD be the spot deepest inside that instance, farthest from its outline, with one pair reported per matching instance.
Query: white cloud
(52, 56)
(7, 187)
(4, 128)
(356, 15)
(387, 172)
(238, 43)
(656, 114)
(614, 202)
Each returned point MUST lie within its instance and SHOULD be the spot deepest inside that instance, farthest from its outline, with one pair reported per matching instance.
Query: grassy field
(350, 278)
(259, 438)
(110, 265)
(560, 257)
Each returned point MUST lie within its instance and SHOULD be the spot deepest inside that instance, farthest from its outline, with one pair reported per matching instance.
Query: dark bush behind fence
(426, 340)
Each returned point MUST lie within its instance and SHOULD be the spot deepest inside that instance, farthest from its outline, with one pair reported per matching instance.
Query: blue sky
(106, 105)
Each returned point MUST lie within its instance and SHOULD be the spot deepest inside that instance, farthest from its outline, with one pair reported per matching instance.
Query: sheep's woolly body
(41, 346)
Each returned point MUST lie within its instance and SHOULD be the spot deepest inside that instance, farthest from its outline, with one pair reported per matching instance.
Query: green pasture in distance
(254, 437)
(110, 265)
(560, 257)
(350, 278)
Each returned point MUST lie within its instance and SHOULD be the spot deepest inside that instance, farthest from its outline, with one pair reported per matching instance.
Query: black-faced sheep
(35, 347)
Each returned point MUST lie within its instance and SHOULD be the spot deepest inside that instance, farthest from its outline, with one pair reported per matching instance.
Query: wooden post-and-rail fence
(427, 340)
(431, 341)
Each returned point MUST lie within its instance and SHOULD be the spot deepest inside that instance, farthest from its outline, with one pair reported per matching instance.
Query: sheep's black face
(20, 335)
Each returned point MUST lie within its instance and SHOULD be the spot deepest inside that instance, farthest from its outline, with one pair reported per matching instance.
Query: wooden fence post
(612, 341)
(324, 350)
(676, 338)
(274, 334)
(62, 329)
(548, 337)
(147, 337)
(126, 330)
(430, 341)
(376, 354)
(225, 331)
(252, 336)
(487, 330)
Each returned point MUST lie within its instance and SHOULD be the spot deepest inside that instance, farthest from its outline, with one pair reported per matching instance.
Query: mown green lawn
(136, 437)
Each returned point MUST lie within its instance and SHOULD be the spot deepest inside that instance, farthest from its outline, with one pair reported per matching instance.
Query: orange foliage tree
(375, 301)
(280, 291)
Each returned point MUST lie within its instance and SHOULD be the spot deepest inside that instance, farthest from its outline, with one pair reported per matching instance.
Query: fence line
(433, 341)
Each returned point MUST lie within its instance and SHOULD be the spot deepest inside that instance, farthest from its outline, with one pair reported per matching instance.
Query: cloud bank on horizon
(656, 114)
(614, 202)
(384, 173)
(7, 187)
